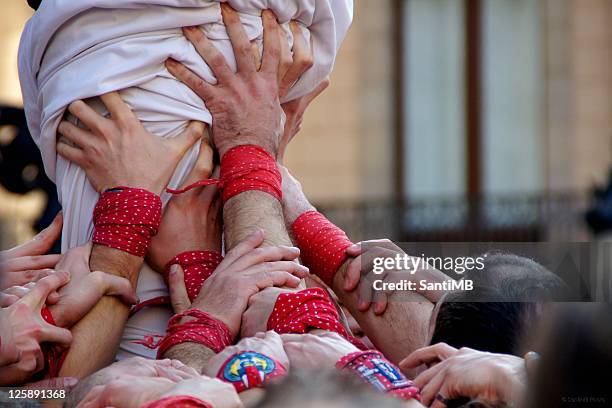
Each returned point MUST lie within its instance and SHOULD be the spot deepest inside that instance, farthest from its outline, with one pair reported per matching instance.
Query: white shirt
(79, 49)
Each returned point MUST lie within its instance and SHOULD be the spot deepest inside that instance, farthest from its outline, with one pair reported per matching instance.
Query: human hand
(245, 270)
(260, 306)
(316, 351)
(217, 393)
(191, 221)
(487, 377)
(85, 288)
(126, 392)
(27, 262)
(118, 151)
(244, 105)
(269, 344)
(360, 273)
(23, 330)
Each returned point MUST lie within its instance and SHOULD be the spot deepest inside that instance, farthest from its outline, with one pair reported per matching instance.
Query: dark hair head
(576, 344)
(504, 303)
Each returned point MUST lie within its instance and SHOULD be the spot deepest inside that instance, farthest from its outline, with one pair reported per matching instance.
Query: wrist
(293, 208)
(271, 149)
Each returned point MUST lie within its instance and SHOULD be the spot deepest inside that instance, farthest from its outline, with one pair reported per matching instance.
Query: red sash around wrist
(244, 168)
(299, 312)
(322, 244)
(126, 219)
(203, 329)
(197, 267)
(372, 367)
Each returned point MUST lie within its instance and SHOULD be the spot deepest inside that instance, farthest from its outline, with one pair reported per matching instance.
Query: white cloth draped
(79, 49)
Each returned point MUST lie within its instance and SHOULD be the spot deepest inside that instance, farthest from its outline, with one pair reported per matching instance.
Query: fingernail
(174, 269)
(70, 381)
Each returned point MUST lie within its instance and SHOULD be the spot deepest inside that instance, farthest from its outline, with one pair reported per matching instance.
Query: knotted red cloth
(203, 329)
(54, 355)
(177, 401)
(126, 219)
(372, 367)
(244, 168)
(322, 244)
(197, 267)
(298, 312)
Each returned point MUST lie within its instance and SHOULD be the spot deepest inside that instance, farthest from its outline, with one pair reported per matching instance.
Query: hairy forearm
(96, 337)
(400, 330)
(252, 210)
(193, 355)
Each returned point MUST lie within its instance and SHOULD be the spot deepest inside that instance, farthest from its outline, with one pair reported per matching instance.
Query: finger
(429, 391)
(288, 266)
(294, 338)
(426, 376)
(178, 292)
(53, 298)
(352, 275)
(286, 59)
(275, 278)
(18, 291)
(354, 250)
(90, 118)
(266, 254)
(37, 296)
(6, 300)
(428, 355)
(202, 88)
(302, 61)
(118, 109)
(380, 302)
(361, 247)
(41, 243)
(33, 262)
(271, 43)
(238, 37)
(314, 94)
(365, 296)
(246, 245)
(203, 166)
(120, 287)
(59, 383)
(209, 53)
(71, 153)
(21, 278)
(53, 334)
(256, 54)
(80, 137)
(185, 140)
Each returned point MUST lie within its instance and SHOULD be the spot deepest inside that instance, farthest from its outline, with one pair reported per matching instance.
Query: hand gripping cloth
(81, 49)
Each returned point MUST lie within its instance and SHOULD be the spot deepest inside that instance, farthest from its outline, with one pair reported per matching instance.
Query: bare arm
(97, 335)
(404, 325)
(114, 152)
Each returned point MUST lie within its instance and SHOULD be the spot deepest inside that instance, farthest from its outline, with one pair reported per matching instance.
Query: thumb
(203, 166)
(120, 287)
(178, 292)
(185, 140)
